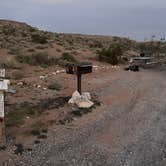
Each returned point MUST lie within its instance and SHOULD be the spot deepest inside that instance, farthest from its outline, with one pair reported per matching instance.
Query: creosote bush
(39, 38)
(8, 30)
(68, 57)
(44, 60)
(17, 116)
(111, 55)
(54, 86)
(37, 59)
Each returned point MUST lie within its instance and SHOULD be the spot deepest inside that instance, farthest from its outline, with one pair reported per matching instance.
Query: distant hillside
(16, 33)
(22, 39)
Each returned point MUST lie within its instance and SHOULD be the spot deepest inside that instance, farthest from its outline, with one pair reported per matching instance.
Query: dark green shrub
(111, 55)
(54, 86)
(8, 30)
(68, 57)
(17, 116)
(14, 50)
(38, 38)
(35, 132)
(41, 59)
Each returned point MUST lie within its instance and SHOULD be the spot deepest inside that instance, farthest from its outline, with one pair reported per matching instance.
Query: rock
(95, 66)
(76, 95)
(38, 86)
(82, 101)
(43, 77)
(60, 71)
(86, 95)
(85, 104)
(13, 91)
(20, 83)
(71, 101)
(57, 72)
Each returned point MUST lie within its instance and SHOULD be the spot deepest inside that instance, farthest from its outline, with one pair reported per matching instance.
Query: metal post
(79, 82)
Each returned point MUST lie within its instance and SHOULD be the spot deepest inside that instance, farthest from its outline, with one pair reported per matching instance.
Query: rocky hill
(15, 35)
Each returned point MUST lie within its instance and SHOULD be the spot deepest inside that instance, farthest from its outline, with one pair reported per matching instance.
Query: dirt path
(129, 129)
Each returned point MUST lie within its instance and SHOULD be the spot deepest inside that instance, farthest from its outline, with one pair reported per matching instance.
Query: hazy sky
(137, 19)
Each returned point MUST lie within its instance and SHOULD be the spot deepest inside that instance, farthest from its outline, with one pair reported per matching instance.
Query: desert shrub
(41, 47)
(43, 59)
(68, 57)
(54, 86)
(31, 50)
(14, 118)
(111, 55)
(96, 44)
(17, 116)
(32, 29)
(10, 64)
(37, 59)
(38, 38)
(8, 30)
(14, 50)
(24, 34)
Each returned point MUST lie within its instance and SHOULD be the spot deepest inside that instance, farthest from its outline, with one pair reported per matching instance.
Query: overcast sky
(137, 19)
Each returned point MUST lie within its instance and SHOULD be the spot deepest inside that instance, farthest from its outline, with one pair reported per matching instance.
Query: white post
(3, 87)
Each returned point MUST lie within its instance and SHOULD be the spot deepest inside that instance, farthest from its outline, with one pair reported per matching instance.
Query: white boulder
(82, 101)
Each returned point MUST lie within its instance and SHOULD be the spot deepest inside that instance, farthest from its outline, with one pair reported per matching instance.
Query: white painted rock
(71, 101)
(58, 71)
(20, 83)
(85, 104)
(75, 97)
(38, 86)
(86, 95)
(82, 101)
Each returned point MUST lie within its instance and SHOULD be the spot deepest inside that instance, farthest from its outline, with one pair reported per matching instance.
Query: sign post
(3, 88)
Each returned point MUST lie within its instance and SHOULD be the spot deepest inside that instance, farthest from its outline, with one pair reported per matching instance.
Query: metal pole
(79, 83)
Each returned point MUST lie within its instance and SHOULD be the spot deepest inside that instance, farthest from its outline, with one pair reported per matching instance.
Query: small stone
(38, 86)
(20, 83)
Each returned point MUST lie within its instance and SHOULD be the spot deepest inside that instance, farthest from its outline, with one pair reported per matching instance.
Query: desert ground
(127, 129)
(126, 126)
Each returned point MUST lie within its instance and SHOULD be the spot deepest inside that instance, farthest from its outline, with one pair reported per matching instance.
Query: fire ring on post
(79, 69)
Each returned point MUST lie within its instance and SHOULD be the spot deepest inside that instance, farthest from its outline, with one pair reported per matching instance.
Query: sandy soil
(127, 130)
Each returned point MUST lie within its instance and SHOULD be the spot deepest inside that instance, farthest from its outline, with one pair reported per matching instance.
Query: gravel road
(129, 129)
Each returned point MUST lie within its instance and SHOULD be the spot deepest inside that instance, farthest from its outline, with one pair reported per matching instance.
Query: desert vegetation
(111, 55)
